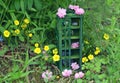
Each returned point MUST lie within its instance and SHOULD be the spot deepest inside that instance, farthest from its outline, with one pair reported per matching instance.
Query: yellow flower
(37, 50)
(57, 77)
(26, 21)
(84, 59)
(16, 22)
(6, 33)
(30, 35)
(97, 48)
(106, 36)
(17, 31)
(56, 58)
(46, 48)
(97, 51)
(36, 45)
(23, 26)
(90, 57)
(55, 51)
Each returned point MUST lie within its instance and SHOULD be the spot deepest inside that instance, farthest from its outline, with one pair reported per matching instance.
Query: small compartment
(66, 62)
(66, 23)
(75, 60)
(75, 40)
(65, 44)
(75, 52)
(75, 32)
(65, 53)
(75, 43)
(75, 21)
(65, 33)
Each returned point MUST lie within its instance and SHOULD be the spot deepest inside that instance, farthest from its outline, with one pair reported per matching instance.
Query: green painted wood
(69, 29)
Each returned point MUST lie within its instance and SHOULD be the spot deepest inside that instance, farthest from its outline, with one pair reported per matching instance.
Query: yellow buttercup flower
(55, 51)
(57, 77)
(30, 35)
(90, 57)
(46, 48)
(37, 50)
(106, 36)
(97, 48)
(97, 51)
(23, 26)
(36, 45)
(6, 33)
(84, 59)
(17, 31)
(56, 58)
(16, 22)
(27, 21)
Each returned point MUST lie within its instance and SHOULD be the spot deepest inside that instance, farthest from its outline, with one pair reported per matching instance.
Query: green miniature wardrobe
(69, 40)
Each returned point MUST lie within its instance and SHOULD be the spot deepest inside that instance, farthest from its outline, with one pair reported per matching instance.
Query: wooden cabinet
(69, 40)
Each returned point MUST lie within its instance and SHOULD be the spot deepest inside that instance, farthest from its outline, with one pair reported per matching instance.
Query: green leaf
(26, 3)
(37, 4)
(21, 38)
(46, 80)
(27, 15)
(7, 25)
(32, 59)
(15, 68)
(23, 74)
(33, 9)
(29, 61)
(88, 73)
(53, 23)
(52, 46)
(17, 60)
(3, 51)
(17, 4)
(30, 4)
(2, 29)
(22, 5)
(102, 76)
(79, 80)
(3, 4)
(13, 16)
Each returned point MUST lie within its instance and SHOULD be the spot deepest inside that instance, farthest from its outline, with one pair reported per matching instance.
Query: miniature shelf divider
(69, 40)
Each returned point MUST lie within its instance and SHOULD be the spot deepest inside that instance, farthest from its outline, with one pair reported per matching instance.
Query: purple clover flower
(47, 75)
(67, 73)
(79, 75)
(73, 7)
(77, 9)
(75, 45)
(61, 12)
(75, 66)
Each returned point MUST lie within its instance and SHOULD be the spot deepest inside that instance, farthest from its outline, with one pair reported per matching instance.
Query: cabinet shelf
(75, 37)
(71, 57)
(72, 27)
(70, 48)
(72, 37)
(75, 27)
